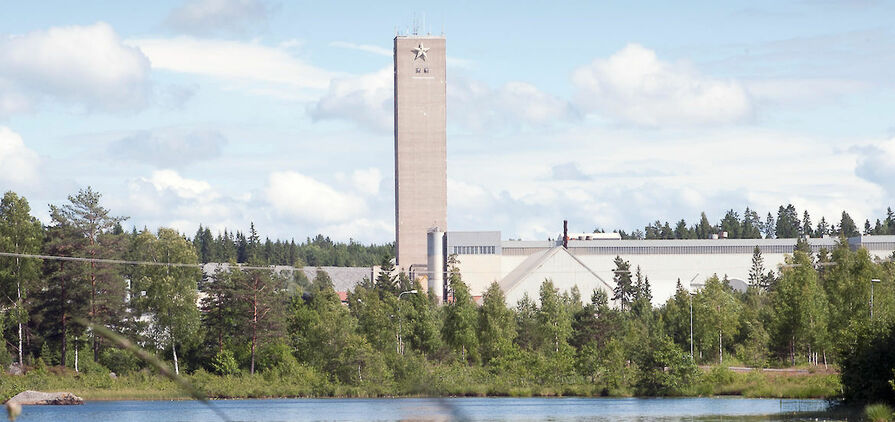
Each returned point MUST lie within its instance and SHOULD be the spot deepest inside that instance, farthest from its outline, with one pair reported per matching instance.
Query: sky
(608, 114)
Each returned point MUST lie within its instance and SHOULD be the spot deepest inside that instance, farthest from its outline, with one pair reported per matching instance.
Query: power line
(126, 262)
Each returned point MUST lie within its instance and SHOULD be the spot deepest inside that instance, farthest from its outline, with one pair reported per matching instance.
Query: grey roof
(344, 278)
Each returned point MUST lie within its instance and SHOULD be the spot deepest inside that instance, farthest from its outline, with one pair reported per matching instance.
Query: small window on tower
(417, 70)
(426, 70)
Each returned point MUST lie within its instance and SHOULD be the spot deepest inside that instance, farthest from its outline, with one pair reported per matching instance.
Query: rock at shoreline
(39, 397)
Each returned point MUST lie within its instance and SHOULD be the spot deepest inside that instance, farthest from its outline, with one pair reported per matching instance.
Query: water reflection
(448, 409)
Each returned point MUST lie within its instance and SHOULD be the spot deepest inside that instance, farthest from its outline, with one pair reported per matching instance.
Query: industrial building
(584, 260)
(420, 146)
(483, 258)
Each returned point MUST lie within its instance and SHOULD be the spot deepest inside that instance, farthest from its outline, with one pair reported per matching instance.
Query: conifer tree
(624, 287)
(84, 213)
(757, 272)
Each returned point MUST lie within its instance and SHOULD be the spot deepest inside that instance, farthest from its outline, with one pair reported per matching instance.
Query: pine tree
(847, 226)
(757, 272)
(624, 288)
(769, 228)
(85, 214)
(681, 231)
(788, 224)
(731, 224)
(806, 229)
(751, 225)
(704, 230)
(823, 229)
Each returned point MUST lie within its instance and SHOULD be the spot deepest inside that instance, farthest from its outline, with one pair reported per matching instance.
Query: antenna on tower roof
(415, 24)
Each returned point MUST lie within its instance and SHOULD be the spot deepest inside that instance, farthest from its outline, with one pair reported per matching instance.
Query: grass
(447, 381)
(878, 412)
(759, 384)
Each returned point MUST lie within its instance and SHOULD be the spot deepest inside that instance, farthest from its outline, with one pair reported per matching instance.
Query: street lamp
(872, 280)
(400, 346)
(691, 325)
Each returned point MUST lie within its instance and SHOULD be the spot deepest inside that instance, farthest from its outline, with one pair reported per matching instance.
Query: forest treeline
(319, 251)
(392, 338)
(750, 225)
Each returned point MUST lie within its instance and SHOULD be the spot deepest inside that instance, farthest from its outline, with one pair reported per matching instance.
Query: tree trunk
(76, 356)
(93, 297)
(720, 349)
(254, 329)
(792, 351)
(174, 350)
(64, 321)
(19, 303)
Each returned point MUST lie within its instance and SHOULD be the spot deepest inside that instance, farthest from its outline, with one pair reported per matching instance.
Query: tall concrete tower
(420, 145)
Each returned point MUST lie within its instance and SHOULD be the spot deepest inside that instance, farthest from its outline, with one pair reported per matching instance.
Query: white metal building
(484, 258)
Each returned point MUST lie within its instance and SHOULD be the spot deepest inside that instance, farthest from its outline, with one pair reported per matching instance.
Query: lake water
(472, 409)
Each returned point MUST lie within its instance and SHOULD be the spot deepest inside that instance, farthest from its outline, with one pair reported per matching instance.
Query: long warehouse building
(520, 266)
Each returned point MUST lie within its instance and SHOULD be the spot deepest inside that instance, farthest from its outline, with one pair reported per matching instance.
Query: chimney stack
(565, 234)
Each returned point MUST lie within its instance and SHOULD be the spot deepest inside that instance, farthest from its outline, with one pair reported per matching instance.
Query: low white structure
(483, 258)
(561, 267)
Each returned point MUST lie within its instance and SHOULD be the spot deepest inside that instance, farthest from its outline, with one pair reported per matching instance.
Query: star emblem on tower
(420, 52)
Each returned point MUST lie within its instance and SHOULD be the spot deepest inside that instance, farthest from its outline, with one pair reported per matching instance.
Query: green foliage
(120, 361)
(461, 320)
(224, 363)
(554, 319)
(664, 369)
(799, 310)
(878, 412)
(497, 327)
(867, 360)
(388, 341)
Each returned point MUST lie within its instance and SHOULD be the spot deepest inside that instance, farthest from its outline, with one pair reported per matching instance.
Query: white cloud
(303, 198)
(167, 199)
(634, 86)
(361, 229)
(876, 164)
(83, 65)
(568, 171)
(802, 90)
(367, 181)
(18, 164)
(374, 49)
(635, 179)
(169, 148)
(365, 100)
(233, 60)
(209, 16)
(368, 99)
(170, 180)
(477, 106)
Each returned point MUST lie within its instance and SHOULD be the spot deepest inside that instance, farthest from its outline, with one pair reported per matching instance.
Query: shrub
(224, 363)
(866, 364)
(878, 412)
(119, 361)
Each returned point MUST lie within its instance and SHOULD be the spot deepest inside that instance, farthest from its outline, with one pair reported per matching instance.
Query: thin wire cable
(126, 262)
